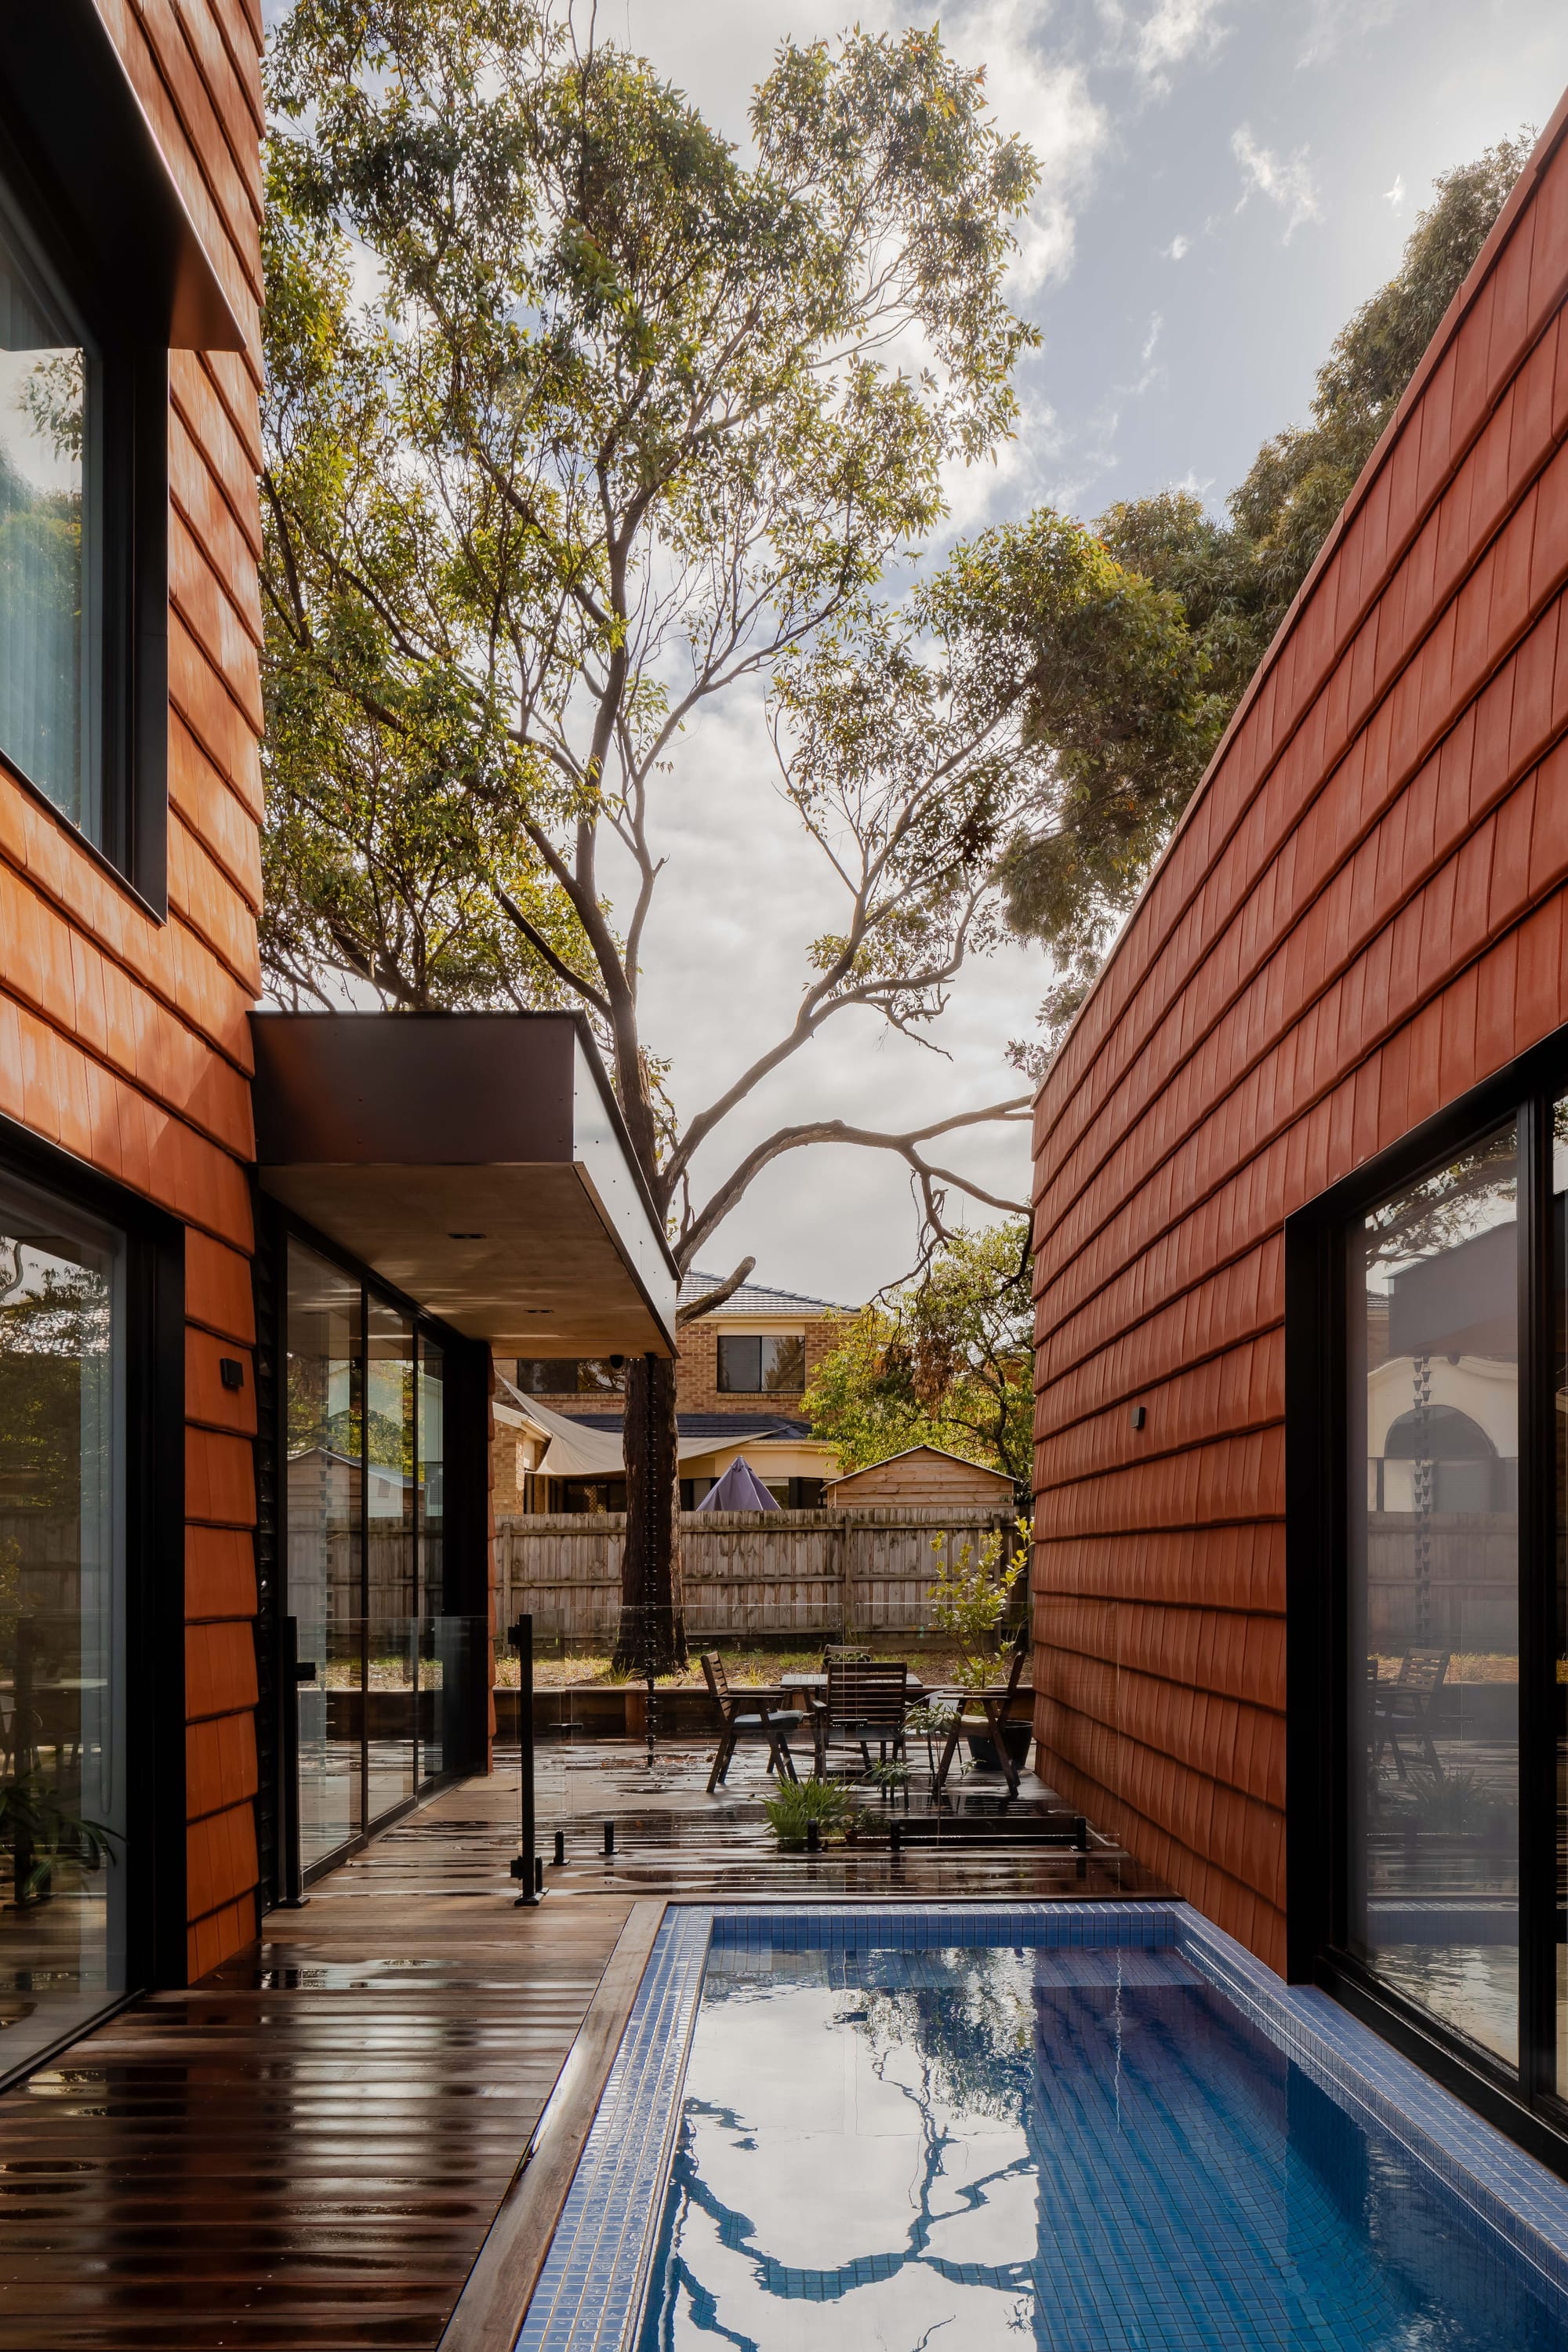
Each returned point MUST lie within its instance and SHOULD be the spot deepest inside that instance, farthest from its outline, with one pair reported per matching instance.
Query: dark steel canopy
(478, 1162)
(73, 122)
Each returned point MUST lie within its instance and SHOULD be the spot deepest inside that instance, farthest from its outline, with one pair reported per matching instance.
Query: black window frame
(154, 1534)
(1317, 1629)
(83, 167)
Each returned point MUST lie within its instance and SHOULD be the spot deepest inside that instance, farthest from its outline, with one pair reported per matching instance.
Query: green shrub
(799, 1802)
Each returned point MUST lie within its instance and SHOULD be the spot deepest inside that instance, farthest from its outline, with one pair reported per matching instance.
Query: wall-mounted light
(231, 1371)
(1140, 1415)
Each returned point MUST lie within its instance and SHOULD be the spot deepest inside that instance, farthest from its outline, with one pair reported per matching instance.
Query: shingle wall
(123, 1040)
(1360, 915)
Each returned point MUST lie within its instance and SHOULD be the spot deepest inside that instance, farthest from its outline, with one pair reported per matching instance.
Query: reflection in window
(1560, 1692)
(392, 1627)
(762, 1364)
(1434, 1557)
(63, 1860)
(325, 1474)
(47, 555)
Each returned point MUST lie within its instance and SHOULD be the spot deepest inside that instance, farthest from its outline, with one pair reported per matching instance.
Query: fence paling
(742, 1573)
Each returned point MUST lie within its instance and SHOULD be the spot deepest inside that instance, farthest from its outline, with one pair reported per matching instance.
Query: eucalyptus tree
(579, 417)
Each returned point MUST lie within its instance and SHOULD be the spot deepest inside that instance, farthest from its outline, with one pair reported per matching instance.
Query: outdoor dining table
(996, 1700)
(815, 1685)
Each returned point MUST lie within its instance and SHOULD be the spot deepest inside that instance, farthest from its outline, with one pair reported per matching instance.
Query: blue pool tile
(591, 2291)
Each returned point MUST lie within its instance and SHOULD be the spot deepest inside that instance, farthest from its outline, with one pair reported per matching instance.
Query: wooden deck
(306, 2150)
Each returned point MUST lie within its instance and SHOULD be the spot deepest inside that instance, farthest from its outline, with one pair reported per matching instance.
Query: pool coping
(589, 2287)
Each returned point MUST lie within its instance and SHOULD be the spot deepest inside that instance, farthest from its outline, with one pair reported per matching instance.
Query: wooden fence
(743, 1573)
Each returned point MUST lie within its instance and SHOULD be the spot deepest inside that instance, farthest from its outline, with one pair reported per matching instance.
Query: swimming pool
(1071, 2126)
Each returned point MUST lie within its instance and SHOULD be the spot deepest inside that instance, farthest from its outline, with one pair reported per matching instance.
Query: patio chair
(866, 1699)
(1407, 1704)
(982, 1714)
(771, 1721)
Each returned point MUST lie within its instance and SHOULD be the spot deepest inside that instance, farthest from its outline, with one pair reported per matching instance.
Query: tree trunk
(651, 1598)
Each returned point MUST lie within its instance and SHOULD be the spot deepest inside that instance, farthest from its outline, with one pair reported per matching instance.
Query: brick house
(740, 1376)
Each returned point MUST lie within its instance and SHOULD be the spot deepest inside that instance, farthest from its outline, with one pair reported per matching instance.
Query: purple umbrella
(740, 1489)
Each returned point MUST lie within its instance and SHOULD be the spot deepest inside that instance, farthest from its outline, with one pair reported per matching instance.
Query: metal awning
(477, 1162)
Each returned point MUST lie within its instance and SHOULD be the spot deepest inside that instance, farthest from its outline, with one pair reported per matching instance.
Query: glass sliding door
(325, 1479)
(64, 1859)
(436, 1629)
(392, 1615)
(1433, 1594)
(380, 1658)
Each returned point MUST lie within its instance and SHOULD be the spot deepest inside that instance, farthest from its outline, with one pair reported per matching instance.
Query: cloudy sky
(1223, 181)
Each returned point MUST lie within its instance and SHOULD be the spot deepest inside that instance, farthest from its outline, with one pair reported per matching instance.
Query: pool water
(951, 2150)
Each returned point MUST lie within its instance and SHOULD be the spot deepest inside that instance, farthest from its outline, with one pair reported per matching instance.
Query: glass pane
(1560, 1303)
(739, 1363)
(393, 1613)
(547, 1375)
(43, 566)
(325, 1439)
(63, 1859)
(784, 1363)
(1434, 1658)
(434, 1679)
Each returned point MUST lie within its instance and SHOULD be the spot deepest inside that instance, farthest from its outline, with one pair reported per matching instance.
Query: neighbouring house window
(762, 1363)
(570, 1376)
(51, 536)
(64, 1861)
(1434, 1591)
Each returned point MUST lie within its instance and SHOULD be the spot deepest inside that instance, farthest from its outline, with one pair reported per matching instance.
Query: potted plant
(970, 1601)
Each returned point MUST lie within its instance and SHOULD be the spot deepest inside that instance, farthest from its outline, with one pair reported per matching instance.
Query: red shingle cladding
(1360, 915)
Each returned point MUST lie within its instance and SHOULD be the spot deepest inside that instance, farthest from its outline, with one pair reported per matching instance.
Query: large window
(762, 1364)
(64, 1861)
(1426, 1534)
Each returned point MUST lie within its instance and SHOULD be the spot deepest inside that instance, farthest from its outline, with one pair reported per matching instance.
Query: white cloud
(1286, 180)
(1333, 22)
(1395, 198)
(1155, 323)
(1046, 102)
(1174, 31)
(1178, 246)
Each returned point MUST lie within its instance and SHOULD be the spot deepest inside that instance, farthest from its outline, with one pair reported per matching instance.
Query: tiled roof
(756, 1299)
(706, 1424)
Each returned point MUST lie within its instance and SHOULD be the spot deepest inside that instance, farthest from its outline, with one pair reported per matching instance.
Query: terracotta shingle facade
(123, 1040)
(1362, 915)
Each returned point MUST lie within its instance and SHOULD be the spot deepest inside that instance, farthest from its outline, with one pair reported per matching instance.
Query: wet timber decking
(305, 2150)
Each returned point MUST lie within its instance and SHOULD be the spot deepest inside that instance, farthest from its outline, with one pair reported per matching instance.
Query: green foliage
(1072, 875)
(971, 1598)
(798, 1803)
(948, 1361)
(33, 1817)
(48, 1329)
(1457, 1804)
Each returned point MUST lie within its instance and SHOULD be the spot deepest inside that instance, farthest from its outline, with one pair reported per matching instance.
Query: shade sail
(740, 1489)
(478, 1162)
(575, 1452)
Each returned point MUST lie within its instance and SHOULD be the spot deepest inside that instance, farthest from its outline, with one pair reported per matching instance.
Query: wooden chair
(772, 1721)
(866, 1699)
(1407, 1704)
(986, 1712)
